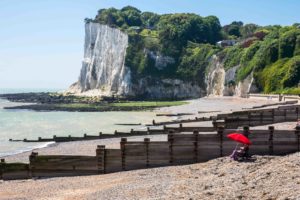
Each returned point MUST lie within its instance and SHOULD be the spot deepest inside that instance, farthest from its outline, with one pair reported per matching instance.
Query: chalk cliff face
(103, 68)
(104, 72)
(215, 78)
(155, 88)
(223, 83)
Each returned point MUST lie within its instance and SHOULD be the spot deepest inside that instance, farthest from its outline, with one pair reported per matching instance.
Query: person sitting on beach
(244, 151)
(241, 154)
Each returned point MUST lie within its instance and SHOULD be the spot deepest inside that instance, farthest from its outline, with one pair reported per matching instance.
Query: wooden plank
(57, 173)
(183, 136)
(158, 151)
(16, 175)
(133, 151)
(208, 144)
(113, 153)
(159, 157)
(183, 148)
(284, 134)
(137, 153)
(66, 163)
(183, 161)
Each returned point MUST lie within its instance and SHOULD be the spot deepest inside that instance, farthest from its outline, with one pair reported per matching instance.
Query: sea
(20, 124)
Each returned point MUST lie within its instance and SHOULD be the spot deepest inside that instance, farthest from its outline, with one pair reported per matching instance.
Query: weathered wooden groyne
(280, 97)
(252, 117)
(196, 119)
(177, 150)
(101, 135)
(260, 117)
(273, 104)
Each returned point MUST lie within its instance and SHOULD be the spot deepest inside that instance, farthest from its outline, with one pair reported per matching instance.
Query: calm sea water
(20, 124)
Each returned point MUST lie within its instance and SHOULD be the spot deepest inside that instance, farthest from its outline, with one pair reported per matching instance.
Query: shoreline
(219, 178)
(46, 101)
(88, 147)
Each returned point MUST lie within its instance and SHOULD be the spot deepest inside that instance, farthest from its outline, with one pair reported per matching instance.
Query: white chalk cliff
(104, 72)
(103, 68)
(223, 83)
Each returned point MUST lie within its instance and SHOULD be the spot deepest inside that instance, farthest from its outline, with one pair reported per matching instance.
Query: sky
(41, 41)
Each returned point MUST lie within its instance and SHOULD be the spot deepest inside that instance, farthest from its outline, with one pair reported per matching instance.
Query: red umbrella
(239, 138)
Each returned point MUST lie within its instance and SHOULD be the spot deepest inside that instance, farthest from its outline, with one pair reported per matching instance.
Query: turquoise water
(20, 124)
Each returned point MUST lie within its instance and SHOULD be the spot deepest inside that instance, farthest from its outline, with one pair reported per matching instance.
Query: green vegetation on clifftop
(188, 41)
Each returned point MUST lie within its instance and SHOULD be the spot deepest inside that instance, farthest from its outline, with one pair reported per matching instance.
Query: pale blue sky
(41, 41)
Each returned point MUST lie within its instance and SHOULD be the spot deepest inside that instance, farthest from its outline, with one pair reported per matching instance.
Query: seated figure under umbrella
(241, 153)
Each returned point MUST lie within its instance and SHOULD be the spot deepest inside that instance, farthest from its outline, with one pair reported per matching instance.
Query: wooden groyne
(177, 150)
(252, 117)
(280, 97)
(260, 117)
(196, 119)
(117, 134)
(173, 114)
(101, 135)
(273, 104)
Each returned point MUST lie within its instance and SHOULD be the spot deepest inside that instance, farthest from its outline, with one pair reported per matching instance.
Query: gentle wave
(27, 149)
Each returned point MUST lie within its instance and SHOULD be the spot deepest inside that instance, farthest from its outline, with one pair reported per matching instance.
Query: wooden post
(196, 133)
(285, 115)
(298, 136)
(101, 158)
(180, 128)
(146, 142)
(271, 148)
(220, 133)
(214, 123)
(246, 131)
(148, 131)
(32, 159)
(249, 118)
(123, 152)
(153, 122)
(2, 165)
(225, 123)
(171, 140)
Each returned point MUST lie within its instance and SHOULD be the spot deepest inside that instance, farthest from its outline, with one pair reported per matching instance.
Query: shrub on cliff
(194, 61)
(285, 73)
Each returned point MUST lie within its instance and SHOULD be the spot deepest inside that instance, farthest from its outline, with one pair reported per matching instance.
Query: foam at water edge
(26, 149)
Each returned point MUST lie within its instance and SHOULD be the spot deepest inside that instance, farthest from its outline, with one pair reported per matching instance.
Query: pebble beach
(268, 177)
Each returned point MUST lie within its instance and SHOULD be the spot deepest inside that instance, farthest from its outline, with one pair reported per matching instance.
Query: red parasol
(239, 138)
